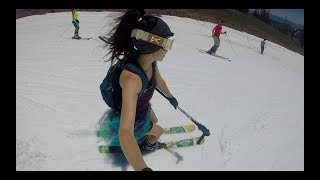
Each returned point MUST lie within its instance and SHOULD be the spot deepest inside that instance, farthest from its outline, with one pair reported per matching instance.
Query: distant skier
(215, 35)
(75, 22)
(263, 45)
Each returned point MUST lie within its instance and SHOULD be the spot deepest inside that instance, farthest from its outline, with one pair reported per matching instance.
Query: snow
(253, 105)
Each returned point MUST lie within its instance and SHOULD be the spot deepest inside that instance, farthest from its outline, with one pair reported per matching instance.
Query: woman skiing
(142, 40)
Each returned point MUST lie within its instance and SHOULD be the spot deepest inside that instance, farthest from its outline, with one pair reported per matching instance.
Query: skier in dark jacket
(263, 45)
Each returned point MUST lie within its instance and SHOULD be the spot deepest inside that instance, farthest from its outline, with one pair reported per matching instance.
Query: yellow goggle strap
(152, 38)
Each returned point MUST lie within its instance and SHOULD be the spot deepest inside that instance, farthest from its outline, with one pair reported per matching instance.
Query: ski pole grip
(205, 131)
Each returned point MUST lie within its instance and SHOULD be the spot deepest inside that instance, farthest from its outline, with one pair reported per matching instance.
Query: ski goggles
(165, 43)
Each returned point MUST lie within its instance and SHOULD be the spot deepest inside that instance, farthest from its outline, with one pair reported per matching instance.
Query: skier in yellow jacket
(75, 22)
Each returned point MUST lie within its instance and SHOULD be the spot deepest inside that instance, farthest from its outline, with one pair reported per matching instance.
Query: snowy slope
(253, 105)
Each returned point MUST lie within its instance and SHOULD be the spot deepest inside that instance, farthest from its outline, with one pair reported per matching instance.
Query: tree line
(284, 27)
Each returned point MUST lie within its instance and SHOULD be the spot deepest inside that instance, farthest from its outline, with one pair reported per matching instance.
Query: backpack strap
(137, 69)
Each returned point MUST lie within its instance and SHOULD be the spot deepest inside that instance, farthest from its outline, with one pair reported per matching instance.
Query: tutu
(108, 127)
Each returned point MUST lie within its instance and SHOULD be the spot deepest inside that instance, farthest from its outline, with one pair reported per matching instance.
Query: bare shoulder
(129, 76)
(131, 80)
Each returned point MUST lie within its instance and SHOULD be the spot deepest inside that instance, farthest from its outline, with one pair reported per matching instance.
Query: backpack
(110, 87)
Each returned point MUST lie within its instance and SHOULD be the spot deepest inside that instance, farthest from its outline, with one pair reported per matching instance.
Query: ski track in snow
(28, 157)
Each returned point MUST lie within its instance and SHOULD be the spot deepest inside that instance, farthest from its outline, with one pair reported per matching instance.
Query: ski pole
(177, 155)
(230, 43)
(64, 25)
(248, 41)
(65, 31)
(205, 131)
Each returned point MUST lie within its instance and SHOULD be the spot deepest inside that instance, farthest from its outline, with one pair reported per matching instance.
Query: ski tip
(104, 149)
(109, 149)
(82, 38)
(104, 39)
(179, 129)
(190, 127)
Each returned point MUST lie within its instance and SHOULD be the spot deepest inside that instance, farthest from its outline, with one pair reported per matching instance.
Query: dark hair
(120, 41)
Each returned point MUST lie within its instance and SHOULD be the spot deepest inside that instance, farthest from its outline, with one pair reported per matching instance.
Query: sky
(253, 105)
(294, 15)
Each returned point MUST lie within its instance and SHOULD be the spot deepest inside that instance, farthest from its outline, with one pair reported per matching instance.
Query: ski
(169, 130)
(222, 57)
(163, 145)
(109, 149)
(82, 38)
(104, 39)
(182, 143)
(179, 129)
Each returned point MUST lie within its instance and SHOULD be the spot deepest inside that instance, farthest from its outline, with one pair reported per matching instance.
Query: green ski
(183, 143)
(169, 130)
(179, 129)
(169, 145)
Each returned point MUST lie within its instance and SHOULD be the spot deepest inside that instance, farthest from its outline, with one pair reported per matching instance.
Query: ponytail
(119, 40)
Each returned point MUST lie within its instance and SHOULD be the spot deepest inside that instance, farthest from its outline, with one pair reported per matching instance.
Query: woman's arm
(131, 85)
(161, 84)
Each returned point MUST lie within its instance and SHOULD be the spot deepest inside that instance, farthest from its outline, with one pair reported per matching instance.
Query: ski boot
(76, 36)
(145, 146)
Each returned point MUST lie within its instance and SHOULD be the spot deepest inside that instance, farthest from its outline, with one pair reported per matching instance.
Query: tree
(256, 13)
(285, 27)
(262, 14)
(265, 15)
(301, 37)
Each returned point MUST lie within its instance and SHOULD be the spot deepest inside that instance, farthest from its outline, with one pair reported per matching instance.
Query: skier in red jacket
(215, 35)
